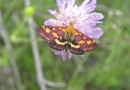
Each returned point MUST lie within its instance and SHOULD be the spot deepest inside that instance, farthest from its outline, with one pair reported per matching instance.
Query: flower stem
(75, 73)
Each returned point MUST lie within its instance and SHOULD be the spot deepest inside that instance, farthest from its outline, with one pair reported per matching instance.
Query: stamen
(71, 29)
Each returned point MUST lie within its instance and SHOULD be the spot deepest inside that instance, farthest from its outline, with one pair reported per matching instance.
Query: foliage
(106, 68)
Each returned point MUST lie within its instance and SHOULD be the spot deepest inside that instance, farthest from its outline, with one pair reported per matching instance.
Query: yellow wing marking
(59, 28)
(43, 27)
(64, 30)
(81, 42)
(84, 37)
(47, 30)
(55, 35)
(89, 42)
(60, 43)
(74, 46)
(53, 29)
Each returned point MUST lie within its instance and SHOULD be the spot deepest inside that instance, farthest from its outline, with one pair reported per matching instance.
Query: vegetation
(106, 68)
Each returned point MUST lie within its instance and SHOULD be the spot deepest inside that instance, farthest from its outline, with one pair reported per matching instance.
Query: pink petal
(50, 22)
(61, 4)
(85, 2)
(96, 16)
(64, 55)
(91, 6)
(57, 52)
(53, 12)
(69, 54)
(96, 33)
(70, 3)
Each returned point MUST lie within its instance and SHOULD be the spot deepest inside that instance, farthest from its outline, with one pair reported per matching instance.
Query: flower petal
(70, 3)
(96, 33)
(85, 2)
(64, 55)
(96, 16)
(69, 54)
(61, 4)
(57, 52)
(50, 22)
(90, 6)
(53, 12)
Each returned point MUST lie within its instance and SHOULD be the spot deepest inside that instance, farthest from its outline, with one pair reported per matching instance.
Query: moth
(67, 38)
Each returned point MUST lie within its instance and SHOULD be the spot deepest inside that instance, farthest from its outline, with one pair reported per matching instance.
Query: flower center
(71, 30)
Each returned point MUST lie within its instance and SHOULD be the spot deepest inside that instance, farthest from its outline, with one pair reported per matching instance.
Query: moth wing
(50, 33)
(76, 51)
(57, 45)
(86, 43)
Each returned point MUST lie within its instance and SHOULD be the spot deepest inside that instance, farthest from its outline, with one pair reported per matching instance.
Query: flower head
(83, 19)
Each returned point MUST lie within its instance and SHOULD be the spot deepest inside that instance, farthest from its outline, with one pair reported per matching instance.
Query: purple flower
(82, 17)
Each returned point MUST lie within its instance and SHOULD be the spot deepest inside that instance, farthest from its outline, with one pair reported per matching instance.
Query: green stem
(76, 72)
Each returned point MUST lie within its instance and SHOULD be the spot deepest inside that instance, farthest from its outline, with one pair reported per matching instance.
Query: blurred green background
(106, 68)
